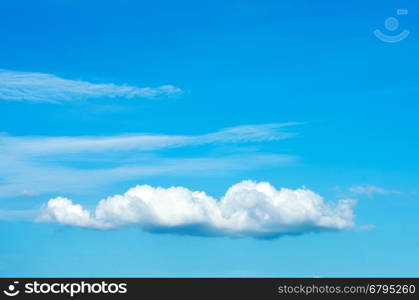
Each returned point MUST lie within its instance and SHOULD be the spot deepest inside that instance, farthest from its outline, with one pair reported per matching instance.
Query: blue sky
(97, 97)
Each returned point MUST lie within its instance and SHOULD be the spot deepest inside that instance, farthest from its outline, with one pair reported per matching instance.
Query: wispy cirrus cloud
(28, 178)
(14, 215)
(371, 190)
(40, 87)
(36, 165)
(247, 209)
(142, 142)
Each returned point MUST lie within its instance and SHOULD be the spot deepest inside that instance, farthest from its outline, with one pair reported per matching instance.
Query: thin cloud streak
(26, 179)
(37, 165)
(371, 190)
(40, 87)
(18, 215)
(141, 142)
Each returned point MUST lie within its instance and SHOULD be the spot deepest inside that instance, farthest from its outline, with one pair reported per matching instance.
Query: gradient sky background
(238, 63)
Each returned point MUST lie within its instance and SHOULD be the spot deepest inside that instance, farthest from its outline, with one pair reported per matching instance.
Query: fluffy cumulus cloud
(40, 87)
(65, 212)
(247, 209)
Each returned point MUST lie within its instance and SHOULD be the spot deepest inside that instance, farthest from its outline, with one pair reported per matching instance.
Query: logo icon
(392, 24)
(11, 289)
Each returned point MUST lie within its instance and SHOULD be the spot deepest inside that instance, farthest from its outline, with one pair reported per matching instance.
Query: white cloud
(6, 215)
(371, 190)
(26, 178)
(141, 142)
(63, 210)
(39, 87)
(367, 227)
(247, 209)
(35, 165)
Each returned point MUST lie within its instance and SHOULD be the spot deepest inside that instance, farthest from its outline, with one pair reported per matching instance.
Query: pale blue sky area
(97, 97)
